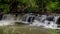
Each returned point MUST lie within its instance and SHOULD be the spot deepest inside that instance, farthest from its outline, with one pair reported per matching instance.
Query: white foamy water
(42, 21)
(32, 20)
(6, 22)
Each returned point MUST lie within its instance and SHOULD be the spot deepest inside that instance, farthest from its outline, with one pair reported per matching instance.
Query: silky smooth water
(7, 19)
(31, 19)
(43, 20)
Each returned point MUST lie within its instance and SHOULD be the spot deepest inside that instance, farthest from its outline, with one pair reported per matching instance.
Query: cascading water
(7, 20)
(28, 18)
(32, 20)
(43, 20)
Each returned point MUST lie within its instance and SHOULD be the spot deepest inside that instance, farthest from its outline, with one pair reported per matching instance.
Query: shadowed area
(58, 21)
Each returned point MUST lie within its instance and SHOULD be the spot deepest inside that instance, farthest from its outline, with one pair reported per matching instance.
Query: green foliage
(32, 5)
(7, 1)
(5, 7)
(35, 5)
(51, 6)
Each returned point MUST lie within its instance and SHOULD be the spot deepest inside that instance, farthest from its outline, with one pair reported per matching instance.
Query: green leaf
(7, 1)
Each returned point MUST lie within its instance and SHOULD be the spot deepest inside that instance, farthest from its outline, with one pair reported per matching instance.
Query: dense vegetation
(29, 6)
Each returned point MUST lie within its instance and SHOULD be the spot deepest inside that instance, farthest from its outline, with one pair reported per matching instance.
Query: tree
(51, 5)
(31, 5)
(4, 5)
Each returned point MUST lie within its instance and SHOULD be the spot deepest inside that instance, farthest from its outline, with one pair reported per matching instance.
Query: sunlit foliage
(30, 5)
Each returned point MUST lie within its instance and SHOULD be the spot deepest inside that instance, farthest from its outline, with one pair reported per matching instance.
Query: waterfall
(49, 21)
(7, 19)
(45, 21)
(28, 18)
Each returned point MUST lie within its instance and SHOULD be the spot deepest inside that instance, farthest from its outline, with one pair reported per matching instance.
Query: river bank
(20, 29)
